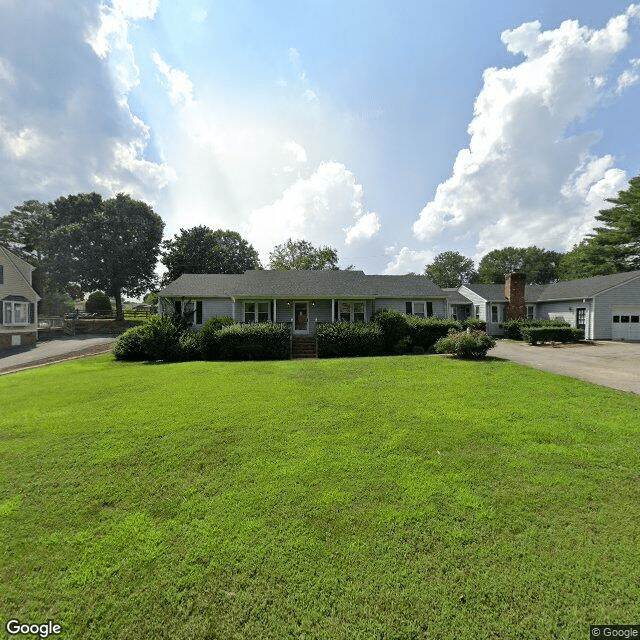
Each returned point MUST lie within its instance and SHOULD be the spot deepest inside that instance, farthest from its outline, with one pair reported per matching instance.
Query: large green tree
(540, 266)
(111, 245)
(450, 269)
(301, 254)
(202, 250)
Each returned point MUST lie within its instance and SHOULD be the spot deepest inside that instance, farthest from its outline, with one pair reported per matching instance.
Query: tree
(615, 246)
(450, 269)
(110, 245)
(300, 254)
(202, 250)
(540, 266)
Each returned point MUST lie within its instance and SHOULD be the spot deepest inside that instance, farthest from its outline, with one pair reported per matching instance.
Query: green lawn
(374, 498)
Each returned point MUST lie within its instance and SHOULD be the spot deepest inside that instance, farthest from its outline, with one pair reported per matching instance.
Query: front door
(301, 317)
(581, 319)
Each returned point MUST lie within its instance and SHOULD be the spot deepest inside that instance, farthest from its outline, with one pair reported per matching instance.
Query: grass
(374, 498)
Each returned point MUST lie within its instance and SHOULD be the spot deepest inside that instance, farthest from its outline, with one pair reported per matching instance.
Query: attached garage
(625, 322)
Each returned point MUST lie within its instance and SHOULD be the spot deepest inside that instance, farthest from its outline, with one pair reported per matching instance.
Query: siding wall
(627, 294)
(16, 283)
(439, 305)
(561, 311)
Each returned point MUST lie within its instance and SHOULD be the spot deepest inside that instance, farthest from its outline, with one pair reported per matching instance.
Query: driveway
(50, 351)
(610, 364)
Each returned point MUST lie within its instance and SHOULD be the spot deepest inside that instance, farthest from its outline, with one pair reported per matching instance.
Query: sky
(390, 131)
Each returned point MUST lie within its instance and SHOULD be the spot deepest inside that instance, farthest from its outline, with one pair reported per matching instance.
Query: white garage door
(626, 323)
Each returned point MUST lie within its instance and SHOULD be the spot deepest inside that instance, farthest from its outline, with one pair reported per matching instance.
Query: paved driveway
(610, 364)
(53, 350)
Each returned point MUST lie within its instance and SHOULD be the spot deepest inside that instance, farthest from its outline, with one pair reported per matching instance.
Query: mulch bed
(80, 353)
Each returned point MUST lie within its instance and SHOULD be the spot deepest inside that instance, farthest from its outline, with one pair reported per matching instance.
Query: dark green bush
(394, 326)
(132, 344)
(342, 339)
(513, 329)
(189, 346)
(209, 344)
(425, 332)
(98, 302)
(475, 324)
(466, 344)
(533, 335)
(157, 339)
(262, 341)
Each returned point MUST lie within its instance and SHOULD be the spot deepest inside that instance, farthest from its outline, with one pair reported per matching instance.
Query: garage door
(626, 323)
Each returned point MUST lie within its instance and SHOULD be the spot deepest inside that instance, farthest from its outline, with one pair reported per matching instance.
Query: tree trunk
(119, 311)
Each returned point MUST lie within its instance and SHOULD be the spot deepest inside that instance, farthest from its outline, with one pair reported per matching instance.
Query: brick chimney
(514, 293)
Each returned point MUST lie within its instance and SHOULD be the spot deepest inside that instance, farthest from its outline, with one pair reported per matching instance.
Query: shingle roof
(318, 284)
(455, 297)
(565, 290)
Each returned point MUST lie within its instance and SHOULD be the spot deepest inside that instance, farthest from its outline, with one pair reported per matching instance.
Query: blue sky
(391, 131)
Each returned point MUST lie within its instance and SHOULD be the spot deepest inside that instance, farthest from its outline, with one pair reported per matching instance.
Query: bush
(207, 338)
(345, 339)
(466, 344)
(98, 302)
(394, 326)
(533, 335)
(156, 339)
(189, 346)
(262, 341)
(474, 324)
(132, 344)
(425, 332)
(514, 329)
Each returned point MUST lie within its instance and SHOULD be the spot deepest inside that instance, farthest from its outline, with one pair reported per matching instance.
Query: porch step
(303, 348)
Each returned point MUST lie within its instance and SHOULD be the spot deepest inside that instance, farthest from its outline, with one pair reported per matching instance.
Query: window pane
(408, 309)
(635, 318)
(263, 312)
(249, 312)
(20, 310)
(477, 312)
(345, 312)
(429, 309)
(8, 317)
(358, 307)
(616, 318)
(418, 309)
(494, 314)
(624, 318)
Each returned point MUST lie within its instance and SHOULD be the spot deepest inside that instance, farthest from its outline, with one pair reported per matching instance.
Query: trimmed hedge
(207, 336)
(395, 328)
(514, 329)
(346, 339)
(474, 324)
(425, 332)
(261, 341)
(533, 335)
(466, 344)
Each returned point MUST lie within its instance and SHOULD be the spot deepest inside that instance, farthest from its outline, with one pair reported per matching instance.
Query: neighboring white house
(606, 307)
(300, 297)
(18, 302)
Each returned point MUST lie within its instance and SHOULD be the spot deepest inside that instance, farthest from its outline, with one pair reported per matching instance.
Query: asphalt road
(610, 364)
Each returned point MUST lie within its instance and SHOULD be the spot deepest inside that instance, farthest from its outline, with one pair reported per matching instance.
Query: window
(635, 318)
(494, 313)
(1, 274)
(530, 314)
(624, 318)
(177, 307)
(350, 311)
(477, 312)
(199, 312)
(16, 313)
(420, 309)
(256, 311)
(616, 318)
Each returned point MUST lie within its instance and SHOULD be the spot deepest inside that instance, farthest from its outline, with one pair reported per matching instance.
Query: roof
(564, 290)
(302, 283)
(585, 288)
(455, 297)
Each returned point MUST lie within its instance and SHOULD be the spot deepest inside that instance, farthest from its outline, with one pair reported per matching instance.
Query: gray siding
(566, 311)
(627, 294)
(439, 305)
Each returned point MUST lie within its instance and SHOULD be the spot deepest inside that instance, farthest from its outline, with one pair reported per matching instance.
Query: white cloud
(314, 208)
(524, 179)
(408, 261)
(66, 123)
(178, 82)
(629, 77)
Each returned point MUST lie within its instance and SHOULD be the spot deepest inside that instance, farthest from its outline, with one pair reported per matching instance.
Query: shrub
(514, 329)
(262, 341)
(156, 339)
(394, 326)
(466, 344)
(206, 336)
(98, 302)
(131, 345)
(475, 324)
(533, 335)
(346, 339)
(425, 332)
(189, 346)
